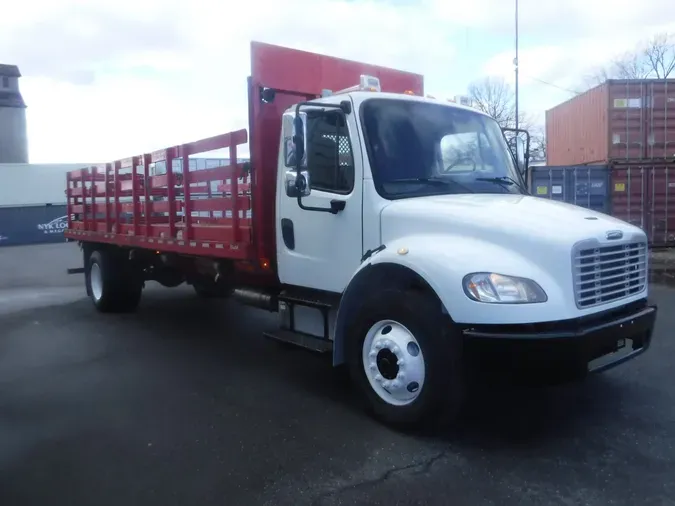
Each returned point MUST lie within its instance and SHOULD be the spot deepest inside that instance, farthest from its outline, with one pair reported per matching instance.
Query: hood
(500, 218)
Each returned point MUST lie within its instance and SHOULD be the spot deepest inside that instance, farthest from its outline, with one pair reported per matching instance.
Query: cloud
(108, 79)
(74, 41)
(105, 79)
(569, 19)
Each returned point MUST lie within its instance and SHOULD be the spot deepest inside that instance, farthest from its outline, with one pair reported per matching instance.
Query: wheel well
(368, 282)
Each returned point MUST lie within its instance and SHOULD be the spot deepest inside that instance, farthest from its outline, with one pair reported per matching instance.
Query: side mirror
(297, 187)
(295, 143)
(267, 95)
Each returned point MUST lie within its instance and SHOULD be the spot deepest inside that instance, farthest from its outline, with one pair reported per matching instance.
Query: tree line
(652, 58)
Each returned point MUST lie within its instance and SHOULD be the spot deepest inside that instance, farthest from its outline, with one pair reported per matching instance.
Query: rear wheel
(405, 357)
(113, 284)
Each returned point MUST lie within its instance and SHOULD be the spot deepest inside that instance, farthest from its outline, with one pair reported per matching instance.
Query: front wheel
(405, 357)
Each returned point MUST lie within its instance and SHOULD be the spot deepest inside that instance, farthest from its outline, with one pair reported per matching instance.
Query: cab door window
(330, 161)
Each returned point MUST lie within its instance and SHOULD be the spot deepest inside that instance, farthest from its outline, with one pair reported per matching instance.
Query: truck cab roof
(361, 96)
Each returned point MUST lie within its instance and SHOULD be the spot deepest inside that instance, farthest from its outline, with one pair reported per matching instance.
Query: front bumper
(579, 346)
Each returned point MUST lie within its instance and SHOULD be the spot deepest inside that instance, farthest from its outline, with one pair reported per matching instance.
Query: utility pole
(515, 62)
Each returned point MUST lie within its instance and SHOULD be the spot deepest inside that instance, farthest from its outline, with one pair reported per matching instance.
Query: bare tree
(495, 98)
(654, 58)
(660, 54)
(537, 144)
(632, 66)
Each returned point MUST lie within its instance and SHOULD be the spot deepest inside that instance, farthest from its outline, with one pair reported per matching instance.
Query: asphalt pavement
(185, 403)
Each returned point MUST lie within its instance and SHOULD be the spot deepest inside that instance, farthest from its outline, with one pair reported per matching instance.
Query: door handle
(337, 205)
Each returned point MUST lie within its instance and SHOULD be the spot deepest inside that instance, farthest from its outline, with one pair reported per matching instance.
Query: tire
(112, 283)
(412, 331)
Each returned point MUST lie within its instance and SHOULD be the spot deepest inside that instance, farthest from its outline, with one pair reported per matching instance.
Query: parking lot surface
(185, 403)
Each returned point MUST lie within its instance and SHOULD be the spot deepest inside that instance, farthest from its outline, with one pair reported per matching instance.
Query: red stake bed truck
(389, 229)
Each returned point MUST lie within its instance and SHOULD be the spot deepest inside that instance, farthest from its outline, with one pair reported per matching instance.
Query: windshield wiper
(503, 181)
(434, 181)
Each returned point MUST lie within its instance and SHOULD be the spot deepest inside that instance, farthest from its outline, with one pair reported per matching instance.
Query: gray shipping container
(32, 224)
(582, 185)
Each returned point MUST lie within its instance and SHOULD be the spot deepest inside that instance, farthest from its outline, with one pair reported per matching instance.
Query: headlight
(498, 289)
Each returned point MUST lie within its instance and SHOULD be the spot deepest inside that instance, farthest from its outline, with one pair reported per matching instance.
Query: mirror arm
(527, 150)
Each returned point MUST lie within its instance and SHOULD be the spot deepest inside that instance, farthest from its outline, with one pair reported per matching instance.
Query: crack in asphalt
(418, 468)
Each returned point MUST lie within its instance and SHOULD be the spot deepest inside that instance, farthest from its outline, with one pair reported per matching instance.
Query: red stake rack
(201, 212)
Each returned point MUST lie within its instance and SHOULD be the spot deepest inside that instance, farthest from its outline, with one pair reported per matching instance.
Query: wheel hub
(393, 362)
(96, 281)
(387, 364)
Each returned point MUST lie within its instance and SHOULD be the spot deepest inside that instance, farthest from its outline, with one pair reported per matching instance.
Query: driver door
(317, 249)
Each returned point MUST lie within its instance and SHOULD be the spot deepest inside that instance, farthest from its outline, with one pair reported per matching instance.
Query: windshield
(421, 148)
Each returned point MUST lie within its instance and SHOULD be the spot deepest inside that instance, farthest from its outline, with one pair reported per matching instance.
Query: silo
(13, 135)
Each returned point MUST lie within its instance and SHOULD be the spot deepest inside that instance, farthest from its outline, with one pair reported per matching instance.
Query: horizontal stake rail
(126, 202)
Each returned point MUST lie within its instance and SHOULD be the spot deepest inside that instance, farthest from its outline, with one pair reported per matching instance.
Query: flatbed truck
(389, 229)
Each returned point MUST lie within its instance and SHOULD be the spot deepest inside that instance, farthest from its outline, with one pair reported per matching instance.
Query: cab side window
(329, 153)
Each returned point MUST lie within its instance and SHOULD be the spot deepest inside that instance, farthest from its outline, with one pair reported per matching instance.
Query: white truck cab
(407, 224)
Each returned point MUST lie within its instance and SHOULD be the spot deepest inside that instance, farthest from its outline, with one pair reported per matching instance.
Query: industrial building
(13, 134)
(33, 202)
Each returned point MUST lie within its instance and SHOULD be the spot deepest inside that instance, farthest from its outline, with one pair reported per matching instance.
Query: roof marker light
(366, 83)
(370, 83)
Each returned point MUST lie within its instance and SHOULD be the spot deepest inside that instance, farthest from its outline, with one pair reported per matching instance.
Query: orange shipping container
(618, 120)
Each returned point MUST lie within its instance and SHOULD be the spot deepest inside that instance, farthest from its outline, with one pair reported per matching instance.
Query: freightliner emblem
(613, 235)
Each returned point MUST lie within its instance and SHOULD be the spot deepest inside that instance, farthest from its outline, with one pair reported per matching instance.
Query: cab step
(310, 298)
(302, 340)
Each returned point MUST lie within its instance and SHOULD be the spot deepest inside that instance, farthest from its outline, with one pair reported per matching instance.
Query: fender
(388, 266)
(440, 261)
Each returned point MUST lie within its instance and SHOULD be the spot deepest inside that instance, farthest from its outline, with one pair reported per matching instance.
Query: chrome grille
(607, 273)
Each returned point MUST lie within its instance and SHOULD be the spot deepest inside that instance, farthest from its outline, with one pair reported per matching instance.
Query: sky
(106, 79)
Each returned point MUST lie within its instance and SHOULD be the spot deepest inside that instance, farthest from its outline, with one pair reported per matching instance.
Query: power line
(553, 85)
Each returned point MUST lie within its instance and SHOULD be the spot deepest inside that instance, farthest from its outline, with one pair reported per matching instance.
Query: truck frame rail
(198, 212)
